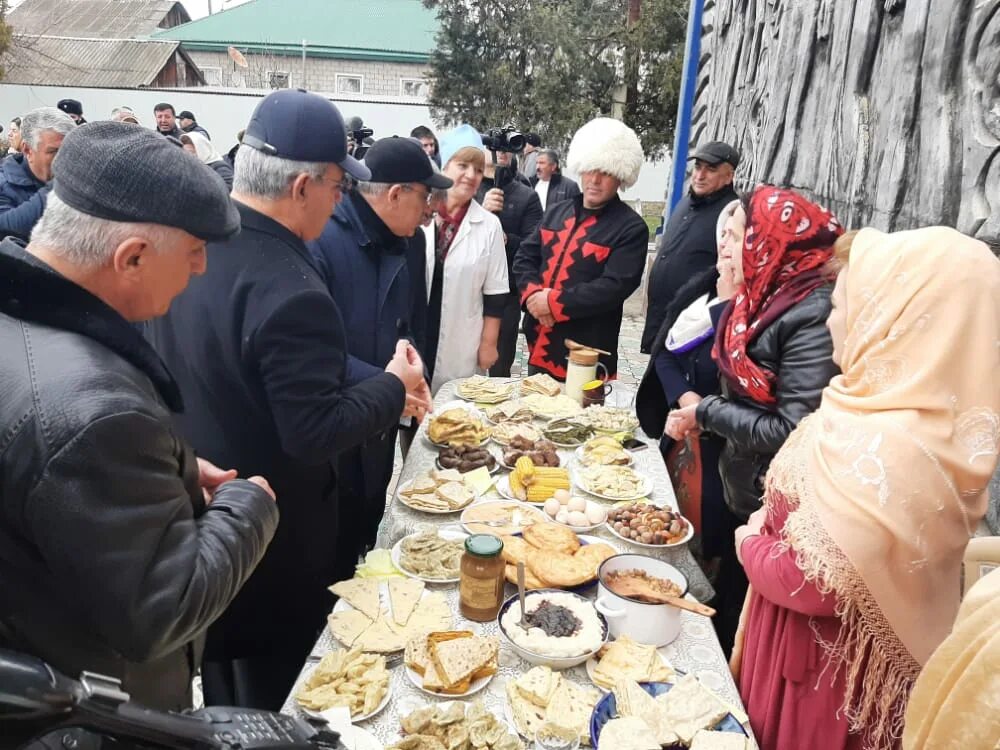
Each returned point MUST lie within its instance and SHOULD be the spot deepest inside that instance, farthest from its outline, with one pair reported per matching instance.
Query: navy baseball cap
(299, 125)
(717, 152)
(401, 160)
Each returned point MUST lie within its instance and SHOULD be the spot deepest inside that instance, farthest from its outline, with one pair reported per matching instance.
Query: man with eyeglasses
(260, 352)
(363, 253)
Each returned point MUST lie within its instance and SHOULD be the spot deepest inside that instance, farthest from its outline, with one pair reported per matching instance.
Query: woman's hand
(753, 527)
(682, 422)
(726, 285)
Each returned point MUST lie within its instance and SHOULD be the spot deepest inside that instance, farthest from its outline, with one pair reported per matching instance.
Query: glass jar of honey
(481, 581)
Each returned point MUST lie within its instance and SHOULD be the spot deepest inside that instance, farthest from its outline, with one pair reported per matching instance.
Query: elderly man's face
(404, 208)
(165, 120)
(598, 188)
(155, 275)
(40, 159)
(707, 178)
(545, 168)
(319, 198)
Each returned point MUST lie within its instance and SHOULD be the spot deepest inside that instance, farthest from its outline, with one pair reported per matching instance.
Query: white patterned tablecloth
(695, 650)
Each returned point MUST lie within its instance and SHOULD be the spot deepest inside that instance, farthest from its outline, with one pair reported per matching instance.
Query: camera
(359, 135)
(506, 139)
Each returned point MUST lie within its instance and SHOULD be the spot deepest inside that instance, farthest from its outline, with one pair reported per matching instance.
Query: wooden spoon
(645, 592)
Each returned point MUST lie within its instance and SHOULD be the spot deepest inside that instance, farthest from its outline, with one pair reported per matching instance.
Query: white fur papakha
(607, 145)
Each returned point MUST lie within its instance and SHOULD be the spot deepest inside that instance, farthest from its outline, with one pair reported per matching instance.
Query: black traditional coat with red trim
(592, 261)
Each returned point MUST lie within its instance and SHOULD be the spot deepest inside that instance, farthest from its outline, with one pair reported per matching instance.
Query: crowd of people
(209, 360)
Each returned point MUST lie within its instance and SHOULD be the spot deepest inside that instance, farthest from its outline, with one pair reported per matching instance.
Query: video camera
(506, 139)
(356, 135)
(35, 701)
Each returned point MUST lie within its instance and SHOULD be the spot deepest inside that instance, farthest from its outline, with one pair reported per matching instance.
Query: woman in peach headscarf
(854, 561)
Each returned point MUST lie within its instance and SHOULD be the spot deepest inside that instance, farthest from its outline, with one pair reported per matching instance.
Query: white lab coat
(475, 265)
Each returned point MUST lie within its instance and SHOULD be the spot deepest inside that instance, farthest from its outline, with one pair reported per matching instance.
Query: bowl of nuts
(646, 525)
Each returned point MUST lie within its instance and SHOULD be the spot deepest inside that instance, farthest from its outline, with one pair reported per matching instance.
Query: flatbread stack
(450, 662)
(439, 490)
(541, 695)
(373, 628)
(541, 383)
(625, 659)
(676, 717)
(553, 557)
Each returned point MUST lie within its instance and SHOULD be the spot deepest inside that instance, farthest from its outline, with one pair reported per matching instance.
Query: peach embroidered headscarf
(885, 481)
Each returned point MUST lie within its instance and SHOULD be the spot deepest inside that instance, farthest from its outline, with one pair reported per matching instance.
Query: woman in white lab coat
(466, 269)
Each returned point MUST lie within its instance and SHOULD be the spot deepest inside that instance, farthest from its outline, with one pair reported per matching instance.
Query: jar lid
(483, 545)
(586, 357)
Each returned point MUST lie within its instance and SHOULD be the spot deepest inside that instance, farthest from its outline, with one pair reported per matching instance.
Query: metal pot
(654, 624)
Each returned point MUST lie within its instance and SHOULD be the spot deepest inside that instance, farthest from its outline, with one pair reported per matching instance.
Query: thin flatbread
(627, 733)
(404, 595)
(571, 707)
(360, 593)
(380, 638)
(706, 740)
(348, 625)
(528, 718)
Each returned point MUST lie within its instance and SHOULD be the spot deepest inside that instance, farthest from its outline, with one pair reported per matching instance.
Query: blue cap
(454, 140)
(298, 125)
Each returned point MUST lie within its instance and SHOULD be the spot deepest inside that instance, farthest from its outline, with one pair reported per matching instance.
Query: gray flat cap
(124, 172)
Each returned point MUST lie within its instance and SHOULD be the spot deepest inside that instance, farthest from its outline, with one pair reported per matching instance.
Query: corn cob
(526, 468)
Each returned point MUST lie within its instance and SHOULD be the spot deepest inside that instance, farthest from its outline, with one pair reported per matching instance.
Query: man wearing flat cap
(119, 546)
(689, 243)
(575, 273)
(260, 351)
(73, 108)
(363, 253)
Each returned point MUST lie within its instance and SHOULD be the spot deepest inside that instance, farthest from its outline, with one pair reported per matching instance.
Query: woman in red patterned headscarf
(774, 355)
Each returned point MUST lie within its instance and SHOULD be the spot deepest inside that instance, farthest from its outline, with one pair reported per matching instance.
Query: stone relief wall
(887, 111)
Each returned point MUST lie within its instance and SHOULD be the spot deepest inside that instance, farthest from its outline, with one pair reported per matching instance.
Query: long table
(695, 650)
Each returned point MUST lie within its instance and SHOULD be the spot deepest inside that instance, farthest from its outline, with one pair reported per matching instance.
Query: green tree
(6, 34)
(551, 65)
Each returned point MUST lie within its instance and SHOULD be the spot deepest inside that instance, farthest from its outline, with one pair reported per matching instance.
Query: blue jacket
(22, 197)
(359, 257)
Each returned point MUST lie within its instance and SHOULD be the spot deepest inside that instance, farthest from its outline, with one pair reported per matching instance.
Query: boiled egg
(562, 496)
(577, 518)
(596, 514)
(562, 516)
(577, 503)
(552, 507)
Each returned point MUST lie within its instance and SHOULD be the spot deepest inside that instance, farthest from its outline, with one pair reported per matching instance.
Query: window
(213, 76)
(415, 87)
(350, 84)
(277, 79)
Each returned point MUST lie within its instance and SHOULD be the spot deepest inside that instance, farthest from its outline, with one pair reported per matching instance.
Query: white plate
(562, 462)
(645, 490)
(356, 738)
(397, 555)
(684, 540)
(526, 509)
(512, 390)
(386, 605)
(418, 683)
(406, 706)
(438, 410)
(592, 667)
(405, 501)
(496, 466)
(503, 488)
(577, 529)
(580, 454)
(354, 719)
(535, 429)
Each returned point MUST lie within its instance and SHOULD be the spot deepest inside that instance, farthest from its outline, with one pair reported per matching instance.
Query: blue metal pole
(685, 105)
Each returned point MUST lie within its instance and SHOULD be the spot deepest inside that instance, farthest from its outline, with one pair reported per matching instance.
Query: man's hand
(682, 422)
(407, 366)
(493, 200)
(210, 477)
(264, 485)
(419, 403)
(487, 355)
(538, 306)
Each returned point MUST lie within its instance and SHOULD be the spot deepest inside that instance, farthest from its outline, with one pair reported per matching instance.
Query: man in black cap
(260, 351)
(529, 156)
(688, 245)
(363, 252)
(73, 108)
(189, 125)
(120, 547)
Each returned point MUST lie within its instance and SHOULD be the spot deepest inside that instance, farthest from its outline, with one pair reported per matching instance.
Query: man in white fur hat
(576, 271)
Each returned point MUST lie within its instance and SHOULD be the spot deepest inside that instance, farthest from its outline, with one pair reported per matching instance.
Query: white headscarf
(203, 147)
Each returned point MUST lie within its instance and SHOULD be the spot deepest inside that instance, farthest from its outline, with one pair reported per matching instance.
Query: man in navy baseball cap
(299, 125)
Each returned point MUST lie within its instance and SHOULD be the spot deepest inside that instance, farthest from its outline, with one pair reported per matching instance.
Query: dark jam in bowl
(555, 620)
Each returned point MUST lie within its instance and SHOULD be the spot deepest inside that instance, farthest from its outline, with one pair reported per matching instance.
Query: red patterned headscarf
(788, 240)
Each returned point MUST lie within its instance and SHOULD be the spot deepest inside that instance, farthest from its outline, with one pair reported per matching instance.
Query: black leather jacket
(797, 346)
(109, 559)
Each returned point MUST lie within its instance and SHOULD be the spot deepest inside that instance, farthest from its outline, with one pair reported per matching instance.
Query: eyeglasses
(427, 194)
(342, 185)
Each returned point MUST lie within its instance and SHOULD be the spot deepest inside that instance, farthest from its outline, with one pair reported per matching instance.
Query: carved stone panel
(887, 111)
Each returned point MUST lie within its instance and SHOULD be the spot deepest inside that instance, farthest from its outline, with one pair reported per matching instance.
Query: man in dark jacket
(25, 177)
(119, 547)
(189, 124)
(520, 213)
(73, 108)
(259, 350)
(587, 257)
(688, 245)
(166, 120)
(549, 183)
(363, 255)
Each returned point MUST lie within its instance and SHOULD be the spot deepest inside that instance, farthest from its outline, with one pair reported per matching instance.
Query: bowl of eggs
(577, 513)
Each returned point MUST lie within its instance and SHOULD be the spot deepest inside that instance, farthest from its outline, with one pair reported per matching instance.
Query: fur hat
(607, 145)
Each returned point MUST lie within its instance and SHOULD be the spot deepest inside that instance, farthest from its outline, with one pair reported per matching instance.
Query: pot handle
(604, 609)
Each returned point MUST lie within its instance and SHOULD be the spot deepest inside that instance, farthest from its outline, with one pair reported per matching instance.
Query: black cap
(717, 152)
(110, 170)
(302, 126)
(187, 114)
(401, 160)
(70, 107)
(533, 138)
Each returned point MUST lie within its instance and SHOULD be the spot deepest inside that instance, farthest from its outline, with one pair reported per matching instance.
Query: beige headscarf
(885, 481)
(955, 704)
